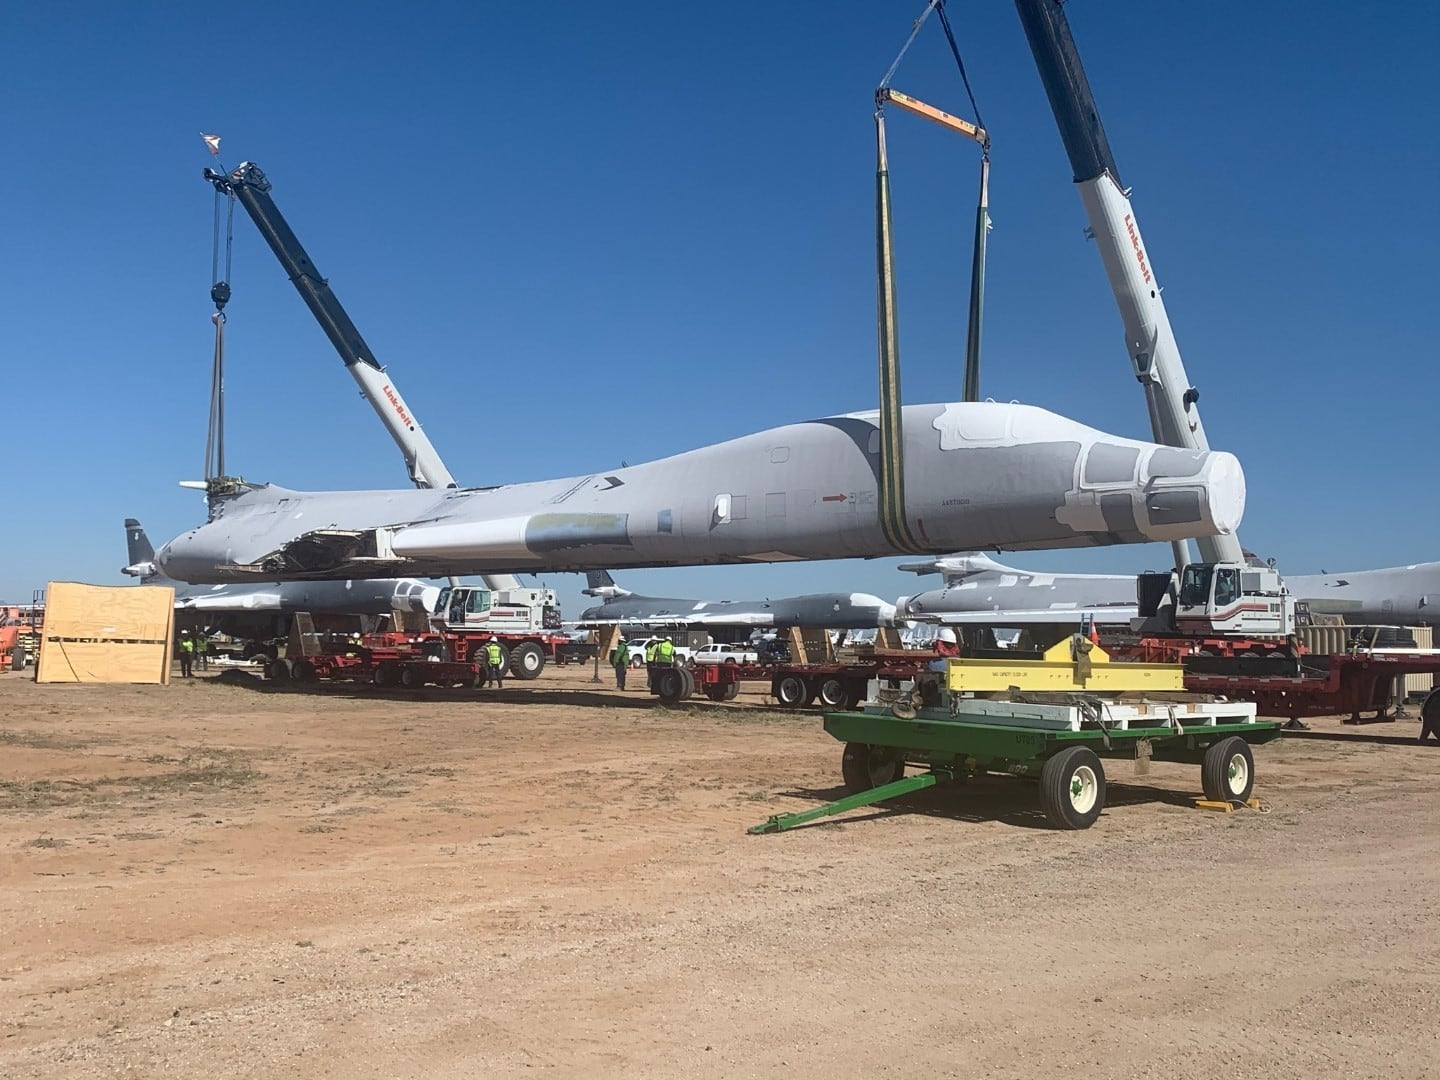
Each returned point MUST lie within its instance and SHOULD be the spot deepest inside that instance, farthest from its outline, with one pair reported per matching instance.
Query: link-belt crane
(248, 185)
(1222, 593)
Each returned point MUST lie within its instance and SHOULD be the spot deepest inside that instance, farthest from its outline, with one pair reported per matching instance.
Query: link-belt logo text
(1139, 251)
(400, 409)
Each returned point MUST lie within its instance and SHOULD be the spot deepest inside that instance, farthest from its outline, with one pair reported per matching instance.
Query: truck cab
(1233, 599)
(460, 607)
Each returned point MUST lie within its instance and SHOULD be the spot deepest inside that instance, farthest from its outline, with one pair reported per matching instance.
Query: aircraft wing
(252, 601)
(1119, 615)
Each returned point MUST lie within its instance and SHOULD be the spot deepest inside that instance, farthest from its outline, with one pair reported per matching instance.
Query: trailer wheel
(855, 693)
(277, 671)
(527, 660)
(732, 691)
(864, 766)
(477, 656)
(832, 693)
(383, 676)
(1072, 788)
(790, 691)
(715, 692)
(1228, 771)
(303, 671)
(674, 685)
(411, 677)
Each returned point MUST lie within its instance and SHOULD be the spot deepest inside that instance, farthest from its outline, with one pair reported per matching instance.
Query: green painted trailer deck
(879, 747)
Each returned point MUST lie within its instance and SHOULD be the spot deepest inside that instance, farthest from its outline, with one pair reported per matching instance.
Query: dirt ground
(222, 880)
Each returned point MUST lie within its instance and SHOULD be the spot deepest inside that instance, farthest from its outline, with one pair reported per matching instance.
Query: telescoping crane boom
(248, 184)
(1221, 593)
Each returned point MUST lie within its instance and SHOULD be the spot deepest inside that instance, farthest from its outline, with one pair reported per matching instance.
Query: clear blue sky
(580, 233)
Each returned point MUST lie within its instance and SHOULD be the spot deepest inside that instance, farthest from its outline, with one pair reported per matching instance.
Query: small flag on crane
(212, 142)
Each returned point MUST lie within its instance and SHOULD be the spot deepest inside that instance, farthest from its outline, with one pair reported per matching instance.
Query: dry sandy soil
(220, 880)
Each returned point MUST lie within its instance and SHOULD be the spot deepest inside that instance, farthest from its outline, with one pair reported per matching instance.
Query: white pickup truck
(683, 654)
(726, 654)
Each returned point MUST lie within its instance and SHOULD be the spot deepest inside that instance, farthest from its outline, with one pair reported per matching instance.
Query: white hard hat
(946, 634)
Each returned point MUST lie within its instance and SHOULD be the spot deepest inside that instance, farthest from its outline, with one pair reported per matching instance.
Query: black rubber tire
(384, 676)
(832, 693)
(790, 691)
(1227, 774)
(527, 660)
(303, 671)
(477, 656)
(732, 691)
(689, 677)
(671, 684)
(716, 692)
(1072, 788)
(864, 766)
(412, 677)
(278, 672)
(855, 693)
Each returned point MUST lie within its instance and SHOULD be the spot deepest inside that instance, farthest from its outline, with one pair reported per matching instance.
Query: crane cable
(220, 293)
(894, 522)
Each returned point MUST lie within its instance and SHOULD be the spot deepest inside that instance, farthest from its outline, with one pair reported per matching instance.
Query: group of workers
(193, 650)
(659, 653)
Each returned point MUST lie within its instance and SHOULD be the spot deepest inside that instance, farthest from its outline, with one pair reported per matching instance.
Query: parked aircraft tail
(603, 586)
(140, 551)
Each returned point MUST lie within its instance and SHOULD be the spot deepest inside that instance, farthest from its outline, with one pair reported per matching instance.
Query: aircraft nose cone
(1227, 491)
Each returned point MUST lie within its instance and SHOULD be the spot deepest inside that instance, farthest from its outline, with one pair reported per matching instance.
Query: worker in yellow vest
(495, 660)
(187, 653)
(665, 653)
(650, 648)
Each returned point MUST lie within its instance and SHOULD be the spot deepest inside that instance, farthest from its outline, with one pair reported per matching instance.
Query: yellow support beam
(1071, 665)
(938, 116)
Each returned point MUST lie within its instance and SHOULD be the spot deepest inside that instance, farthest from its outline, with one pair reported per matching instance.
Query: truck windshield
(443, 600)
(1194, 586)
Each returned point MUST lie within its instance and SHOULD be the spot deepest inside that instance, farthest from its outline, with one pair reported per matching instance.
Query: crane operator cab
(472, 606)
(1233, 599)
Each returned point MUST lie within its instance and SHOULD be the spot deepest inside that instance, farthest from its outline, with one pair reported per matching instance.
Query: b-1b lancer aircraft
(976, 475)
(821, 611)
(261, 610)
(978, 589)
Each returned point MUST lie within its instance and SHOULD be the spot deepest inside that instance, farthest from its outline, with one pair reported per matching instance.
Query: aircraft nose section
(1193, 494)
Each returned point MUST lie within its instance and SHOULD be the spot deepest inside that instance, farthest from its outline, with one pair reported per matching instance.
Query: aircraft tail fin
(140, 551)
(603, 585)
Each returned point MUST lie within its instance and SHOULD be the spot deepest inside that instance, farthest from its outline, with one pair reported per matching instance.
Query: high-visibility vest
(650, 651)
(492, 653)
(622, 655)
(665, 652)
(187, 644)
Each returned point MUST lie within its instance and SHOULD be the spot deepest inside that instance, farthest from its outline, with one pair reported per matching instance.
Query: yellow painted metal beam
(938, 116)
(1068, 666)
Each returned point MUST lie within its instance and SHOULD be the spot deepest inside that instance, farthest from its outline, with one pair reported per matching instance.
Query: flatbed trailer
(1330, 685)
(1065, 760)
(835, 685)
(380, 667)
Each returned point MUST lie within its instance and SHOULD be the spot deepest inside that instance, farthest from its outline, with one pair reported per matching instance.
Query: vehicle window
(1195, 586)
(1227, 587)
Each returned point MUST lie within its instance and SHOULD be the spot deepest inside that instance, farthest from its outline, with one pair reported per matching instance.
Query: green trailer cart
(1067, 760)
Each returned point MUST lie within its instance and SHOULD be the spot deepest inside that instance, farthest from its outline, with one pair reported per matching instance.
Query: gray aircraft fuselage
(977, 475)
(1399, 595)
(262, 609)
(820, 611)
